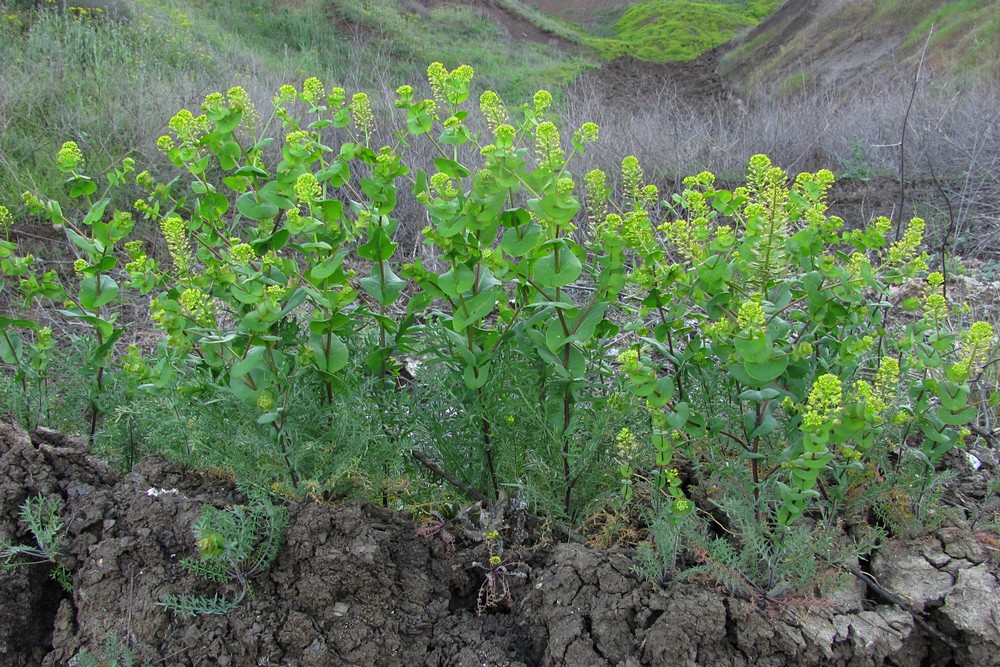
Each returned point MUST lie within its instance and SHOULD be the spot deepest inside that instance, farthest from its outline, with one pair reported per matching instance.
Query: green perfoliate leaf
(558, 269)
(251, 207)
(96, 292)
(383, 285)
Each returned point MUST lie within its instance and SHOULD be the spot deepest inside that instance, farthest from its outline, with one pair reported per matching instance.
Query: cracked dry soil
(354, 585)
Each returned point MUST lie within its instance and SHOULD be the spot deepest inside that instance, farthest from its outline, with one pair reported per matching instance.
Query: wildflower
(361, 113)
(547, 145)
(587, 133)
(636, 230)
(275, 292)
(165, 143)
(443, 185)
(824, 403)
(242, 252)
(976, 343)
(286, 94)
(307, 188)
(632, 176)
(44, 338)
(629, 359)
(405, 93)
(504, 136)
(80, 265)
(239, 99)
(904, 251)
(626, 444)
(336, 98)
(70, 157)
(542, 100)
(493, 110)
(5, 217)
(198, 304)
(145, 180)
(492, 535)
(751, 316)
(312, 91)
(175, 232)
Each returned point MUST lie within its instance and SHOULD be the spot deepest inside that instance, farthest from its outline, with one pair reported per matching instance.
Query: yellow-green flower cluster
(597, 193)
(336, 97)
(904, 251)
(275, 292)
(976, 345)
(542, 100)
(626, 444)
(187, 126)
(449, 87)
(5, 218)
(637, 230)
(175, 232)
(132, 363)
(587, 133)
(80, 265)
(239, 99)
(140, 261)
(241, 252)
(935, 304)
(307, 188)
(361, 113)
(313, 92)
(751, 316)
(632, 176)
(145, 180)
(443, 185)
(493, 110)
(286, 94)
(504, 136)
(547, 145)
(265, 401)
(44, 338)
(629, 359)
(70, 157)
(824, 403)
(199, 305)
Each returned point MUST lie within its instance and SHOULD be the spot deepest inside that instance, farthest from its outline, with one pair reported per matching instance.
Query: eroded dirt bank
(354, 585)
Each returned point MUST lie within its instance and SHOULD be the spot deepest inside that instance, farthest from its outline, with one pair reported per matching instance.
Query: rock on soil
(354, 585)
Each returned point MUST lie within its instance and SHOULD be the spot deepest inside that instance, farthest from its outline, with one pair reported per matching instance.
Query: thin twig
(902, 140)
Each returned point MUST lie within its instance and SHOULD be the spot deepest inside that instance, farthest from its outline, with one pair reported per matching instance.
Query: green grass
(675, 30)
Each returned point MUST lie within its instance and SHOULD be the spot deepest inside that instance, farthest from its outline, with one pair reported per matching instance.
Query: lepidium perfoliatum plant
(772, 354)
(758, 355)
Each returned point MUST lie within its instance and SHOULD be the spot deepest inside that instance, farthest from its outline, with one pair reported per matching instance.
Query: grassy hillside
(110, 85)
(674, 30)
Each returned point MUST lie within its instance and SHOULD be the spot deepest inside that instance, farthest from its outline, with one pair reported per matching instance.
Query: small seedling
(495, 591)
(41, 516)
(236, 544)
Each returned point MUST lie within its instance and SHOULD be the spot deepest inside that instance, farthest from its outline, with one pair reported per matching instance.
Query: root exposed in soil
(355, 585)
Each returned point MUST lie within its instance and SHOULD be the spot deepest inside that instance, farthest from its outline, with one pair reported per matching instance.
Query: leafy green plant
(40, 515)
(235, 545)
(786, 371)
(113, 654)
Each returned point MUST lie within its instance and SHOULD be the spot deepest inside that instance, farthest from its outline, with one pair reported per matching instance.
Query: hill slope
(840, 41)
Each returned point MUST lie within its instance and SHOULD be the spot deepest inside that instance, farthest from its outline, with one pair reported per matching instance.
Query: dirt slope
(354, 585)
